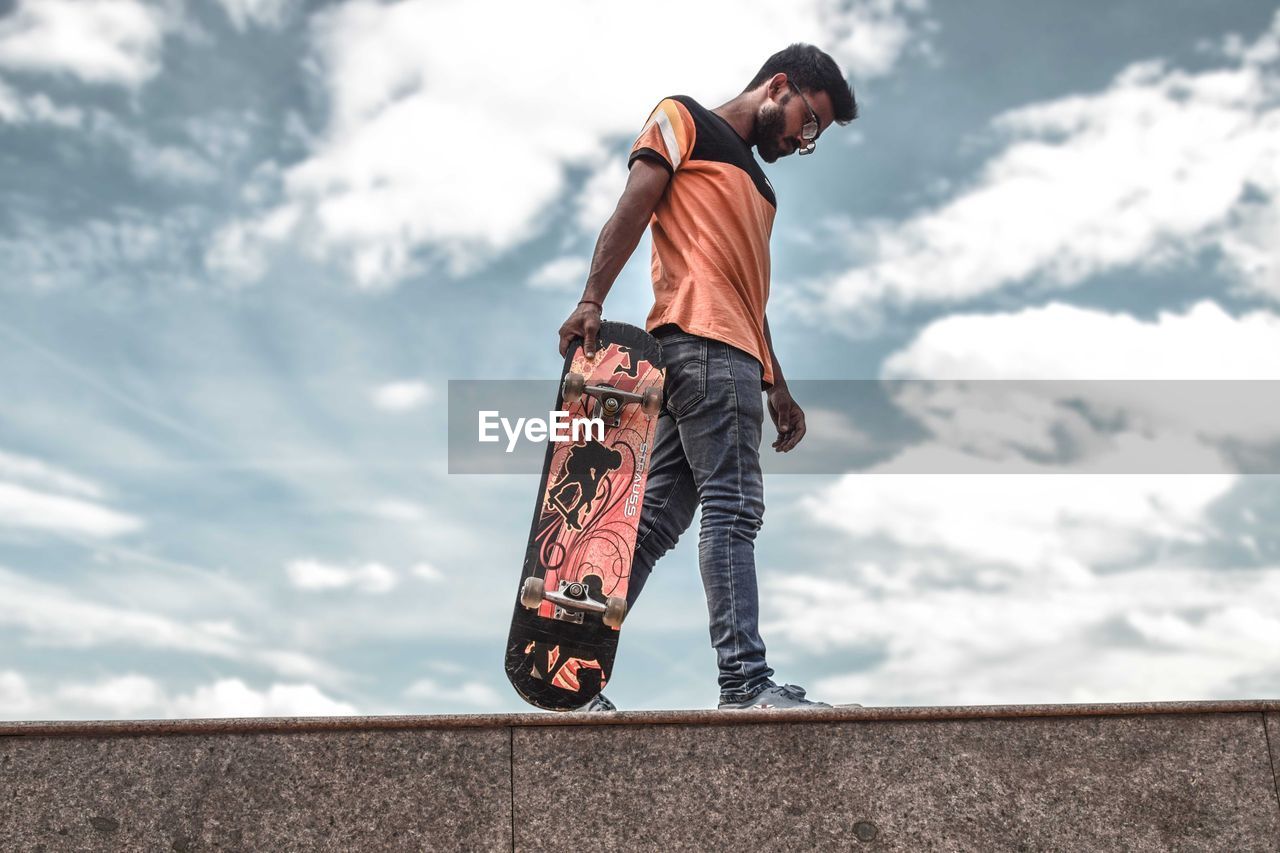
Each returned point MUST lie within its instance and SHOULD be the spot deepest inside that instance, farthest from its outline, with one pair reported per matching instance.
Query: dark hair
(813, 71)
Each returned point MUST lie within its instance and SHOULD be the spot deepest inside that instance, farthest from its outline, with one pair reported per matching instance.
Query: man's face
(780, 118)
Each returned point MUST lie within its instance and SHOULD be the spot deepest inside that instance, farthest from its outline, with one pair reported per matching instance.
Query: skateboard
(573, 587)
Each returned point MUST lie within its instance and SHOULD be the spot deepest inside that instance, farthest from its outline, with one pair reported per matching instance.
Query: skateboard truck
(573, 601)
(609, 400)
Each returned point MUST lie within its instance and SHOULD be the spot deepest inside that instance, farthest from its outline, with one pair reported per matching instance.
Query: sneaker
(599, 702)
(771, 696)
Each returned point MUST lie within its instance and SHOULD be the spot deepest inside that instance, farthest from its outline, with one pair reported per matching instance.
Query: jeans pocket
(686, 383)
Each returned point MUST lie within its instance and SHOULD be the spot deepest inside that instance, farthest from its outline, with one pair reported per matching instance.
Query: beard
(769, 123)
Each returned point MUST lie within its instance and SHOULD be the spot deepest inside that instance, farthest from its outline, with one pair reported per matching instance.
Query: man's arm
(786, 413)
(618, 239)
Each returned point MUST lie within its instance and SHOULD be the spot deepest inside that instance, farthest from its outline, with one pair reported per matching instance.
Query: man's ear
(776, 86)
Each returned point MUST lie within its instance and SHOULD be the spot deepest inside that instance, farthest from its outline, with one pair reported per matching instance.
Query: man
(712, 208)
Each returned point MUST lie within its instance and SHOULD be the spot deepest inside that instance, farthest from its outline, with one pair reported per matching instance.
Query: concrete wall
(1188, 776)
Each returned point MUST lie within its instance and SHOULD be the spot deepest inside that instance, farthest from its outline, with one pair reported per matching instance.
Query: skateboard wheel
(531, 592)
(615, 610)
(572, 387)
(651, 402)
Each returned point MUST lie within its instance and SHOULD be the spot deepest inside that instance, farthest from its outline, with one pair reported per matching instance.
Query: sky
(246, 245)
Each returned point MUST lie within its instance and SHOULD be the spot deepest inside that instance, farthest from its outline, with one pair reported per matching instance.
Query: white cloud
(401, 396)
(431, 158)
(372, 578)
(135, 696)
(1265, 49)
(599, 195)
(1158, 633)
(37, 473)
(131, 249)
(566, 273)
(235, 254)
(19, 109)
(871, 37)
(225, 136)
(271, 14)
(1060, 341)
(427, 572)
(394, 510)
(471, 693)
(173, 164)
(26, 508)
(121, 696)
(223, 628)
(37, 496)
(149, 160)
(1023, 523)
(54, 617)
(51, 616)
(1155, 168)
(298, 664)
(1035, 587)
(1251, 245)
(16, 698)
(231, 697)
(99, 41)
(1020, 588)
(1172, 410)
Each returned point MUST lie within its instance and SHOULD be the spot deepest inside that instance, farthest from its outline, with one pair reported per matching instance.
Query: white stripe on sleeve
(669, 136)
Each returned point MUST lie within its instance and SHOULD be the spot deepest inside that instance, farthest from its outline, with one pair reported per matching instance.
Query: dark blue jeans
(707, 451)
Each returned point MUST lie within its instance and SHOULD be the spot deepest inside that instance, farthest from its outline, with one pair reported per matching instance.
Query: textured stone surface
(1163, 776)
(380, 790)
(1273, 741)
(259, 725)
(1124, 783)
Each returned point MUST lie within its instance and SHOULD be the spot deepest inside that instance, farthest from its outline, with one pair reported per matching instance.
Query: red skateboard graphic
(573, 588)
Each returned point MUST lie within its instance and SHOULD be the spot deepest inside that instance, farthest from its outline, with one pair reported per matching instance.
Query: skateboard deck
(573, 587)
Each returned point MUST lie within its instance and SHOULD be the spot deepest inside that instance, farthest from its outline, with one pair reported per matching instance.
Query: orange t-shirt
(710, 229)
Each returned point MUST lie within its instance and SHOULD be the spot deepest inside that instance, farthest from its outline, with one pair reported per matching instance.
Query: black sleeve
(650, 154)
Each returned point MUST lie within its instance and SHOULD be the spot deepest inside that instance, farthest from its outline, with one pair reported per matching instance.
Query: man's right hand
(583, 323)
